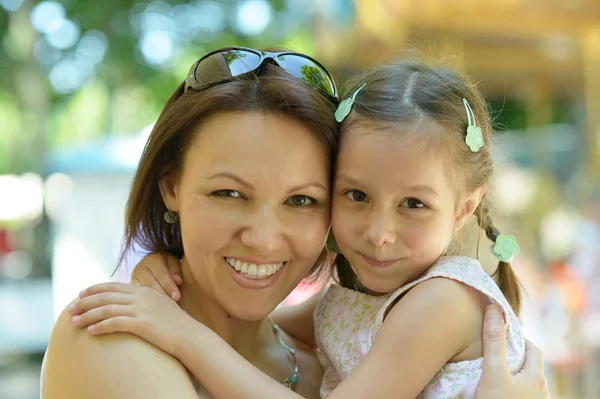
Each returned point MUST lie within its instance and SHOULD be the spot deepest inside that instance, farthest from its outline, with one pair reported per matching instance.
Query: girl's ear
(468, 205)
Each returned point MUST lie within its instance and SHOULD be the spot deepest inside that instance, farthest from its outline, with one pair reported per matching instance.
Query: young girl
(405, 320)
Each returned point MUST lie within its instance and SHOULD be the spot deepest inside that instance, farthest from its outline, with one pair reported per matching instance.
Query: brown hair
(270, 90)
(413, 93)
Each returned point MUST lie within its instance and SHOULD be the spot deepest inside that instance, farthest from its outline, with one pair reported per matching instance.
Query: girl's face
(394, 207)
(254, 207)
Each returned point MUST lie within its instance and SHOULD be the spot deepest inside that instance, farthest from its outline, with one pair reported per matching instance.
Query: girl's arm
(298, 320)
(434, 322)
(429, 326)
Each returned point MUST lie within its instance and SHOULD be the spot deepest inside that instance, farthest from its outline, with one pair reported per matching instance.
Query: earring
(331, 244)
(171, 217)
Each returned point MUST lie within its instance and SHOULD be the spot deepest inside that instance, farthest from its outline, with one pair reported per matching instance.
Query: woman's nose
(264, 232)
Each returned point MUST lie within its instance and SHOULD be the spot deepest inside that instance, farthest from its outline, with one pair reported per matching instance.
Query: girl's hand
(160, 271)
(497, 382)
(117, 307)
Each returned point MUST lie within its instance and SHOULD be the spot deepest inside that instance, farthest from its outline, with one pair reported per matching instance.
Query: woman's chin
(249, 310)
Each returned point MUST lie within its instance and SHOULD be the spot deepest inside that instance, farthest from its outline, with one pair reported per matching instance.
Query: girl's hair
(270, 90)
(416, 94)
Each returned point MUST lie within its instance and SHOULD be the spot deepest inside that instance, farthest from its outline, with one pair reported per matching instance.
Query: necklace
(291, 381)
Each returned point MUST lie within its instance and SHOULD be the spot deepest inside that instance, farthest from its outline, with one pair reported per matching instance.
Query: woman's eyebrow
(238, 179)
(234, 177)
(310, 184)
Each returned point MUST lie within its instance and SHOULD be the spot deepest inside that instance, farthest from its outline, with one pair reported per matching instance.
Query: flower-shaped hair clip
(505, 248)
(474, 137)
(346, 106)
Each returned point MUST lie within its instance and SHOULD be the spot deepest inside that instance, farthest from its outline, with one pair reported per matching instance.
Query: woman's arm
(116, 366)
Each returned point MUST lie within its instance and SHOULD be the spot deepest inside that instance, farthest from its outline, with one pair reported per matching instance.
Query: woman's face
(254, 206)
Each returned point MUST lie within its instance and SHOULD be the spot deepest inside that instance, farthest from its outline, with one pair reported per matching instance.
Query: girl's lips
(379, 262)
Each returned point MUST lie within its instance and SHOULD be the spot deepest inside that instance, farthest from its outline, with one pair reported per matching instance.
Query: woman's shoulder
(117, 365)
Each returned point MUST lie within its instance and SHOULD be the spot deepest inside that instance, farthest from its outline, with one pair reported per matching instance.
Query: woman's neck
(249, 338)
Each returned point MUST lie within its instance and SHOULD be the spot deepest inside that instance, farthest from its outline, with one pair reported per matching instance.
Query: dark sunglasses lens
(225, 65)
(306, 70)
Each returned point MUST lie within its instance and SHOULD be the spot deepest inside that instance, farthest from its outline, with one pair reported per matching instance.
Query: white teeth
(253, 271)
(262, 271)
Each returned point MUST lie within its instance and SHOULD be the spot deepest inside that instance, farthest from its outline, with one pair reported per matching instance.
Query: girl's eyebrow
(424, 188)
(351, 180)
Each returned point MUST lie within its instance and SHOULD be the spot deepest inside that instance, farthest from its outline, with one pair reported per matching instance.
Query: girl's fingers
(107, 287)
(155, 286)
(174, 266)
(94, 301)
(114, 324)
(167, 283)
(102, 313)
(143, 276)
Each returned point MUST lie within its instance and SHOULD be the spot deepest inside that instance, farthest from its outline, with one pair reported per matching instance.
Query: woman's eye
(356, 195)
(412, 203)
(227, 194)
(301, 201)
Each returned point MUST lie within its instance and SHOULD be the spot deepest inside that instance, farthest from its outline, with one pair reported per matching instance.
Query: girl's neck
(249, 338)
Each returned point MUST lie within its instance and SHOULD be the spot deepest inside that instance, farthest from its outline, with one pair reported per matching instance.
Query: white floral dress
(347, 322)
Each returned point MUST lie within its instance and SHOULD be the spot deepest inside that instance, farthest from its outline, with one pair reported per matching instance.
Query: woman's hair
(270, 90)
(414, 94)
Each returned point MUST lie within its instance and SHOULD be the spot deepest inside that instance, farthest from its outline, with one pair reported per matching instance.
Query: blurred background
(81, 83)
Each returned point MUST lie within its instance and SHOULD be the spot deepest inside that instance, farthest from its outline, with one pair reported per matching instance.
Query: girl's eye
(227, 194)
(356, 195)
(301, 201)
(412, 203)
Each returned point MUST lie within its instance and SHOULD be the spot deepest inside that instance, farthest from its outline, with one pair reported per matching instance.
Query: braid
(485, 221)
(507, 280)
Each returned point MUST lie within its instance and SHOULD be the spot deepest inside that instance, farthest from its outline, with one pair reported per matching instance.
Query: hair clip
(505, 248)
(474, 137)
(346, 106)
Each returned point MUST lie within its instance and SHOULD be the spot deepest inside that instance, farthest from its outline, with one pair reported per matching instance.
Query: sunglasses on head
(224, 64)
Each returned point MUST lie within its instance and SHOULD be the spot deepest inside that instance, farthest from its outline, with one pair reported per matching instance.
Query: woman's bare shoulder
(112, 366)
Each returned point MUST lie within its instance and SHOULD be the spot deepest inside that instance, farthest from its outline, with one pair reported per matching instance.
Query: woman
(240, 164)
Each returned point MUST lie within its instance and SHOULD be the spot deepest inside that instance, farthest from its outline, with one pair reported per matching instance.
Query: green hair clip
(474, 137)
(346, 106)
(505, 248)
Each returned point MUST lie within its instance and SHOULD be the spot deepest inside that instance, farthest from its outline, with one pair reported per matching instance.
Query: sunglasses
(224, 64)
